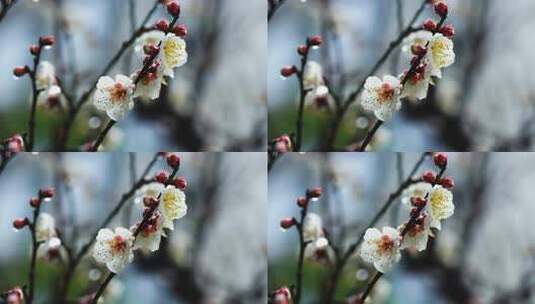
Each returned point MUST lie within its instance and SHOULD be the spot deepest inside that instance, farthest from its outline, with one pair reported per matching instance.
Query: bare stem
(35, 246)
(302, 247)
(370, 135)
(273, 6)
(102, 135)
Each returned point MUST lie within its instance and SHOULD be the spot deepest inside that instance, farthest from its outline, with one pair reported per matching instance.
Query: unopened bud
(20, 71)
(35, 202)
(429, 25)
(46, 192)
(180, 183)
(447, 182)
(302, 201)
(314, 192)
(428, 177)
(447, 30)
(302, 49)
(173, 160)
(440, 159)
(173, 8)
(288, 70)
(315, 40)
(162, 25)
(181, 30)
(287, 223)
(34, 49)
(47, 40)
(161, 177)
(20, 223)
(441, 9)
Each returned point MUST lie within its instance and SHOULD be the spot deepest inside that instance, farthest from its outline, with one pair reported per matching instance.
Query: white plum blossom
(418, 190)
(46, 82)
(150, 235)
(49, 249)
(439, 205)
(153, 190)
(312, 227)
(45, 227)
(440, 54)
(114, 96)
(417, 85)
(381, 248)
(382, 96)
(317, 92)
(172, 54)
(172, 206)
(417, 236)
(114, 248)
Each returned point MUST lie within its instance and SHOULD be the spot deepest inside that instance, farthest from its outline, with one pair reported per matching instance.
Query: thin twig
(370, 135)
(102, 135)
(5, 8)
(35, 95)
(302, 247)
(302, 95)
(274, 5)
(35, 246)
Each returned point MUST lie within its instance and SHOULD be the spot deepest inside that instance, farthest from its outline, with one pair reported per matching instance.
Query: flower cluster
(43, 227)
(432, 50)
(315, 92)
(431, 202)
(162, 201)
(162, 49)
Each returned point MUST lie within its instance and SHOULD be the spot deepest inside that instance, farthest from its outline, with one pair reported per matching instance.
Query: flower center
(118, 244)
(117, 92)
(385, 92)
(385, 244)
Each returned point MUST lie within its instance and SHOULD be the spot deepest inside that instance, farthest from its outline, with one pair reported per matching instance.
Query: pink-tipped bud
(20, 71)
(35, 202)
(14, 144)
(161, 177)
(315, 40)
(302, 201)
(173, 8)
(287, 223)
(15, 295)
(181, 30)
(47, 40)
(428, 177)
(282, 144)
(441, 9)
(162, 25)
(447, 30)
(46, 193)
(20, 223)
(440, 159)
(180, 183)
(447, 182)
(418, 50)
(302, 50)
(288, 70)
(173, 160)
(418, 202)
(34, 49)
(429, 25)
(314, 192)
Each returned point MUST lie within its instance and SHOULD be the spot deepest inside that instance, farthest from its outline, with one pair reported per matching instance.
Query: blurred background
(216, 101)
(484, 101)
(216, 254)
(485, 252)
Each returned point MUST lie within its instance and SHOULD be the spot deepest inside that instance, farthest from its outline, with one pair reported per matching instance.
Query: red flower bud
(47, 40)
(173, 160)
(441, 9)
(181, 183)
(429, 25)
(161, 177)
(302, 49)
(34, 49)
(46, 192)
(315, 40)
(150, 202)
(288, 71)
(35, 202)
(302, 201)
(314, 192)
(162, 25)
(20, 71)
(173, 8)
(14, 144)
(181, 30)
(418, 202)
(287, 222)
(20, 223)
(418, 50)
(447, 30)
(151, 49)
(429, 177)
(440, 159)
(282, 144)
(447, 182)
(415, 212)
